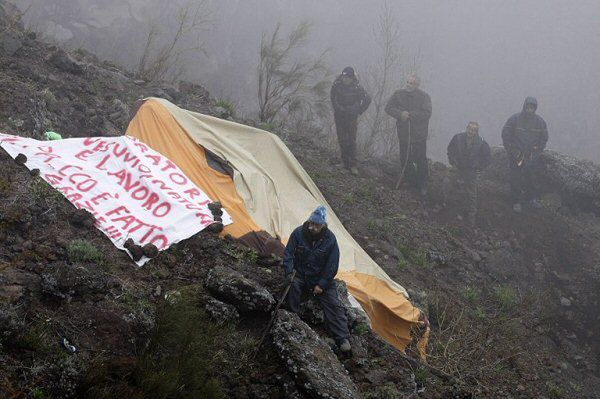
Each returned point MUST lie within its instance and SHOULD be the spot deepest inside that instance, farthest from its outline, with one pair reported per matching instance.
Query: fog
(478, 59)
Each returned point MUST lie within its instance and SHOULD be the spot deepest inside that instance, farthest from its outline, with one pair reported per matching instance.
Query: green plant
(414, 256)
(421, 376)
(226, 105)
(554, 390)
(471, 294)
(361, 329)
(480, 313)
(38, 393)
(402, 263)
(84, 251)
(181, 357)
(506, 297)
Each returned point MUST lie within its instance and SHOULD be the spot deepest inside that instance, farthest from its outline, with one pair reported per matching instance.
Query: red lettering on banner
(192, 192)
(155, 159)
(48, 152)
(140, 193)
(118, 210)
(170, 165)
(182, 179)
(83, 154)
(166, 209)
(151, 231)
(101, 164)
(163, 239)
(62, 170)
(116, 150)
(103, 196)
(141, 146)
(89, 141)
(152, 199)
(144, 169)
(86, 185)
(53, 179)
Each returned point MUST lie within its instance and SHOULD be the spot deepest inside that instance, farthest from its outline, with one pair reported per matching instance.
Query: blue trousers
(333, 310)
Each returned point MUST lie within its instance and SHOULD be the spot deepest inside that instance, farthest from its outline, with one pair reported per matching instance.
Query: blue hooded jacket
(317, 261)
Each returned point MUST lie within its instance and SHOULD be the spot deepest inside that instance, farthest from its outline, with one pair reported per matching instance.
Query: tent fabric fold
(269, 191)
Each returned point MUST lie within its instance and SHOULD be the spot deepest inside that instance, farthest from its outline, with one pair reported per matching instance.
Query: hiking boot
(345, 346)
(353, 171)
(517, 208)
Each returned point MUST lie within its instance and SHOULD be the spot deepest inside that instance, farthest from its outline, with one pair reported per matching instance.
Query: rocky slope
(513, 301)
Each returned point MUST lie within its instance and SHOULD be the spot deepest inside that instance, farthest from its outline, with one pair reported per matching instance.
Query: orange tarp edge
(154, 125)
(392, 315)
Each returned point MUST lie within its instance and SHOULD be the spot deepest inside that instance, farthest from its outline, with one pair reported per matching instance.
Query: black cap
(348, 71)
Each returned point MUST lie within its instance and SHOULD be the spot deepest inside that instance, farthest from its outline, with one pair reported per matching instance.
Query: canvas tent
(265, 189)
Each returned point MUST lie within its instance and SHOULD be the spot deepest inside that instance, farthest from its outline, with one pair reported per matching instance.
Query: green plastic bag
(53, 136)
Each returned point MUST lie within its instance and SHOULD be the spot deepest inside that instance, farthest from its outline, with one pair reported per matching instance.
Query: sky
(478, 59)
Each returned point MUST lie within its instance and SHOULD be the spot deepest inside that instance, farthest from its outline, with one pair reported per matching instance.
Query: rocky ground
(513, 300)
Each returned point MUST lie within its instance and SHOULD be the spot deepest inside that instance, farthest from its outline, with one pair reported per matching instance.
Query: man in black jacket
(349, 100)
(411, 107)
(524, 137)
(313, 252)
(468, 154)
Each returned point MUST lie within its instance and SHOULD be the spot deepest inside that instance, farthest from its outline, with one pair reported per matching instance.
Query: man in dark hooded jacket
(468, 154)
(313, 252)
(411, 107)
(524, 137)
(349, 100)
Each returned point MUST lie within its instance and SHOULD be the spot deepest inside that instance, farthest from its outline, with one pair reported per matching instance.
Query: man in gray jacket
(411, 107)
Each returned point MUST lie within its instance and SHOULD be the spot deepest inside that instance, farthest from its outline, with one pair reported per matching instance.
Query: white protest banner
(133, 191)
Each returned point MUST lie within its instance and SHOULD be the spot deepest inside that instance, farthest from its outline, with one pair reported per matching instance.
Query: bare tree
(162, 53)
(383, 78)
(286, 84)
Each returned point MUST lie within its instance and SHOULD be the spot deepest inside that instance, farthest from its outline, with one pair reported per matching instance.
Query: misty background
(478, 60)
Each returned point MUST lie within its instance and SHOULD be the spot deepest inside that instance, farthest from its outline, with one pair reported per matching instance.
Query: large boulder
(315, 367)
(576, 181)
(63, 61)
(311, 311)
(231, 287)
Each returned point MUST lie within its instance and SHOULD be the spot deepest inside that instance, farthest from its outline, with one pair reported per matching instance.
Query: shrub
(181, 355)
(506, 297)
(81, 250)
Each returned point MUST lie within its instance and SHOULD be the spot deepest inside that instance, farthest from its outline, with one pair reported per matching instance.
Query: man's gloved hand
(317, 290)
(404, 116)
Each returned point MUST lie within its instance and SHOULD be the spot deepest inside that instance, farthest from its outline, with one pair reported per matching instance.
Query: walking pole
(268, 328)
(401, 177)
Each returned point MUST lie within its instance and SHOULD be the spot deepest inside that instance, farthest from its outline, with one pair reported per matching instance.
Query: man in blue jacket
(313, 252)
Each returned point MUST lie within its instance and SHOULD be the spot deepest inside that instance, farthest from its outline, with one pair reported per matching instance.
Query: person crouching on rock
(313, 252)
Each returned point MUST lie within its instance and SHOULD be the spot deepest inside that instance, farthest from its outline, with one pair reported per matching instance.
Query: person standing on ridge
(411, 107)
(313, 252)
(349, 100)
(468, 154)
(524, 136)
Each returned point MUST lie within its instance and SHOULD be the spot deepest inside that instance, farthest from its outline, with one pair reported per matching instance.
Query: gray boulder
(231, 287)
(315, 367)
(576, 181)
(9, 44)
(311, 311)
(63, 61)
(220, 312)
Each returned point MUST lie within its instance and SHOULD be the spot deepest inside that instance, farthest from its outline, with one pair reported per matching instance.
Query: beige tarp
(277, 194)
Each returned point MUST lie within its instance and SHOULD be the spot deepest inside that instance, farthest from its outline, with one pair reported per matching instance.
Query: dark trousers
(522, 183)
(345, 127)
(466, 181)
(417, 168)
(333, 310)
